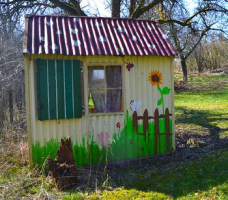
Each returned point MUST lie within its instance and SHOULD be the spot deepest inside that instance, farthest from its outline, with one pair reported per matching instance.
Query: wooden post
(167, 130)
(135, 121)
(145, 124)
(156, 127)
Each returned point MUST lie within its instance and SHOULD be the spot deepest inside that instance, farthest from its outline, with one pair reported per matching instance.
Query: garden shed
(107, 83)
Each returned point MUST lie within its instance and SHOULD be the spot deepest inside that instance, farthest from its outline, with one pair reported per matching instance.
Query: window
(105, 89)
(59, 89)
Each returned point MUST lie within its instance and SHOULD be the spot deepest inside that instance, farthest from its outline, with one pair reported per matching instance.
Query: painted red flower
(118, 125)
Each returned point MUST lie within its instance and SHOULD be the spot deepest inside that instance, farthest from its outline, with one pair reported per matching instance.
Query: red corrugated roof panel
(69, 35)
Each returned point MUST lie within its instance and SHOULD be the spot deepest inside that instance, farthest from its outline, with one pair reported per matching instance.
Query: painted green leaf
(166, 90)
(159, 102)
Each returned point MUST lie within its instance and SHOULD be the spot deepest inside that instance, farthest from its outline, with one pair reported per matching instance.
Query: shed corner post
(27, 62)
(173, 107)
(86, 95)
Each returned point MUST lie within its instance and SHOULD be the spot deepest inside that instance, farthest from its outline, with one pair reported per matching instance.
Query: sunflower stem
(160, 90)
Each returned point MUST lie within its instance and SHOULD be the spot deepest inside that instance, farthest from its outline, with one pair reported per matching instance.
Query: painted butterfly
(129, 66)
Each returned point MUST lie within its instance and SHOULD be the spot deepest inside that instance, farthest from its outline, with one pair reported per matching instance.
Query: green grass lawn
(204, 106)
(201, 110)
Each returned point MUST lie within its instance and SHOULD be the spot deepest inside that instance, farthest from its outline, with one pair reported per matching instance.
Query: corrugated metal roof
(69, 35)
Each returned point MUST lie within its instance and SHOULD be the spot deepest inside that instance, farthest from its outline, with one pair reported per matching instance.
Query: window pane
(98, 100)
(113, 76)
(96, 77)
(114, 100)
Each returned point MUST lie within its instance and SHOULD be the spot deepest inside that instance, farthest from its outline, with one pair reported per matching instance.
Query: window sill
(104, 114)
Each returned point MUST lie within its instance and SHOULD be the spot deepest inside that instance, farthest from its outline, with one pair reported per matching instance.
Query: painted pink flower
(101, 138)
(118, 125)
(106, 139)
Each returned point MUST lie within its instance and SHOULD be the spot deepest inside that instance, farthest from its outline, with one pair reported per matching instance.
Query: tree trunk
(116, 8)
(200, 66)
(19, 100)
(1, 108)
(11, 105)
(132, 7)
(184, 69)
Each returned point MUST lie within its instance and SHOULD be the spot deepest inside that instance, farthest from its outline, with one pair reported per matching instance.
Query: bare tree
(211, 53)
(187, 30)
(11, 65)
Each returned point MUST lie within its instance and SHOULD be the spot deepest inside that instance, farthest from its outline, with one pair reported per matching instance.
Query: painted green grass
(126, 144)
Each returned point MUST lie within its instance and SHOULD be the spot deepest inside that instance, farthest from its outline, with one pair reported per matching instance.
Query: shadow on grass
(186, 178)
(205, 119)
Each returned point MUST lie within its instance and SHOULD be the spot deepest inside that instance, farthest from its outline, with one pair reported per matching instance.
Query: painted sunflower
(155, 78)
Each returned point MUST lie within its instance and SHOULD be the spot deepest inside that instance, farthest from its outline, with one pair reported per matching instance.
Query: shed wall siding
(136, 87)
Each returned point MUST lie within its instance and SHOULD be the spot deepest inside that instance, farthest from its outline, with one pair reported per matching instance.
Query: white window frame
(87, 93)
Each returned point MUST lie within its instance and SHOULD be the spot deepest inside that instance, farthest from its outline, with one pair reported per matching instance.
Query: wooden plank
(140, 117)
(60, 89)
(68, 89)
(42, 93)
(52, 89)
(167, 130)
(145, 124)
(77, 97)
(135, 121)
(156, 127)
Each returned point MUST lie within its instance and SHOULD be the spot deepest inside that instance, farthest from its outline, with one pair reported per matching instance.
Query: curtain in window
(113, 80)
(96, 84)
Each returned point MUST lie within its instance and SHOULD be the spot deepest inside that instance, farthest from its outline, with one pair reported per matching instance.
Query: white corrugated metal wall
(135, 87)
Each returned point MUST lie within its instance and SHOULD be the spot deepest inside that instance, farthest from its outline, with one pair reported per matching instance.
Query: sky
(97, 4)
(101, 6)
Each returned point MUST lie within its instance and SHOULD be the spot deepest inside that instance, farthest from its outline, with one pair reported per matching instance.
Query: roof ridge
(92, 17)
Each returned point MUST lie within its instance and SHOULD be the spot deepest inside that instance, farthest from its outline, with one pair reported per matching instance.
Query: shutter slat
(60, 88)
(52, 89)
(68, 89)
(42, 96)
(77, 89)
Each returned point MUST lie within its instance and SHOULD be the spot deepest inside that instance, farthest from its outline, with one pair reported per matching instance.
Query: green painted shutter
(59, 89)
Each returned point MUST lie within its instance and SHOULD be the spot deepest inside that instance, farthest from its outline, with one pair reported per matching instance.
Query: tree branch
(141, 9)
